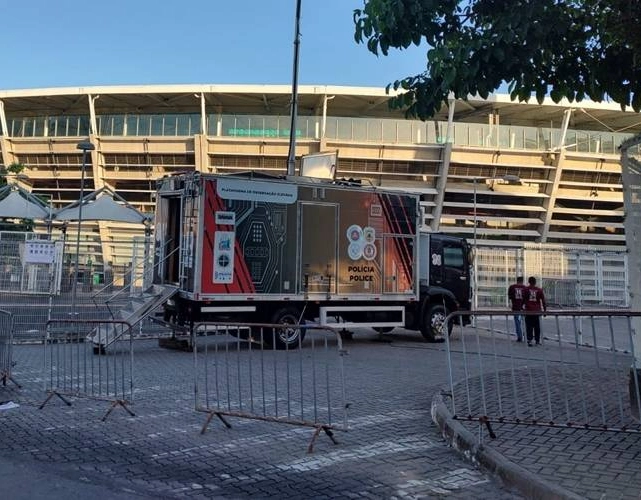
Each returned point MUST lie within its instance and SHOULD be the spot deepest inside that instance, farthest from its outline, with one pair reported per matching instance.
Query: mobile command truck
(259, 249)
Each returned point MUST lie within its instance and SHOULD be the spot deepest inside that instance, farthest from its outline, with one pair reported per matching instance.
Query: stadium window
(52, 126)
(83, 126)
(131, 122)
(331, 128)
(27, 129)
(183, 125)
(359, 129)
(157, 124)
(344, 129)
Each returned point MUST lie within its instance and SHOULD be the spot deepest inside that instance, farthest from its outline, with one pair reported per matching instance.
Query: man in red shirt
(515, 293)
(534, 301)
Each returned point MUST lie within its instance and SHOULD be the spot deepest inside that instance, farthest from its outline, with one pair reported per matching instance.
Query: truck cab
(444, 283)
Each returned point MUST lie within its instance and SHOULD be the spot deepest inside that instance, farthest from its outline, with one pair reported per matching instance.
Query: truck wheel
(383, 329)
(433, 325)
(288, 337)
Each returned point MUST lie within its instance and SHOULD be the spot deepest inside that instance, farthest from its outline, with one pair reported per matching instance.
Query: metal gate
(580, 376)
(571, 277)
(30, 263)
(74, 367)
(236, 374)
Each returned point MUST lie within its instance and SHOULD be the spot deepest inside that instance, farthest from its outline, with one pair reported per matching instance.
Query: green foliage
(573, 49)
(12, 169)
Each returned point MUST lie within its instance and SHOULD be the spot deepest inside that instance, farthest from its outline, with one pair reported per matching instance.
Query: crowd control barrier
(238, 374)
(579, 376)
(6, 348)
(73, 368)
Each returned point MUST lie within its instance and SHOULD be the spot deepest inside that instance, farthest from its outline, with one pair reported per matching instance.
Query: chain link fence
(40, 281)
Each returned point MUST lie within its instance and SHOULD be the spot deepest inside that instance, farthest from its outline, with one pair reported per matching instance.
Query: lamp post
(84, 147)
(507, 178)
(291, 156)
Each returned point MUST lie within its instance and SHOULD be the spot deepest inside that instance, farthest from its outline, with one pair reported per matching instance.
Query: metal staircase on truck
(127, 320)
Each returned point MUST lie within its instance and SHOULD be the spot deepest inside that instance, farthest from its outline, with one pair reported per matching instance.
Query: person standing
(515, 294)
(534, 302)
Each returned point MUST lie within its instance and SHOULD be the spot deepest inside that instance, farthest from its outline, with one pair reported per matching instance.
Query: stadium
(514, 178)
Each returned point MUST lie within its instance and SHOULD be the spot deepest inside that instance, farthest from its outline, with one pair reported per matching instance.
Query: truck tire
(290, 337)
(432, 326)
(383, 329)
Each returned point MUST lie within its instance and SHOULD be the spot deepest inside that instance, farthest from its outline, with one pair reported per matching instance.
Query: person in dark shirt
(534, 302)
(515, 294)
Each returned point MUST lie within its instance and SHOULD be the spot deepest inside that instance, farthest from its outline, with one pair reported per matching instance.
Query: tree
(574, 49)
(12, 169)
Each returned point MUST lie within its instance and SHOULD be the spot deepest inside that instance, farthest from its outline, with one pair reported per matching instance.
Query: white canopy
(20, 204)
(102, 205)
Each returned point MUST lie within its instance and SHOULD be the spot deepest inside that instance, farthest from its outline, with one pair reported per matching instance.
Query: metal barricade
(581, 376)
(6, 348)
(74, 367)
(236, 374)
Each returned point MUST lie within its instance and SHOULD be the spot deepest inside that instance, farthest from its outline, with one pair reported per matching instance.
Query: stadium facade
(501, 172)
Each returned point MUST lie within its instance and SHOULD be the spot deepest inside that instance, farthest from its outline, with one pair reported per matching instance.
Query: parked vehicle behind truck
(260, 249)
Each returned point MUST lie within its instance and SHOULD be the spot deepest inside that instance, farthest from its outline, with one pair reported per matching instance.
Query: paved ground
(393, 449)
(556, 382)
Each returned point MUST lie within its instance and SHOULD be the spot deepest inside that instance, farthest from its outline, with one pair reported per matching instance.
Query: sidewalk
(549, 462)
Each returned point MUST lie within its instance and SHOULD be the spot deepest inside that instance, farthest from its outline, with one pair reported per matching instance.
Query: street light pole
(291, 156)
(474, 205)
(85, 147)
(475, 287)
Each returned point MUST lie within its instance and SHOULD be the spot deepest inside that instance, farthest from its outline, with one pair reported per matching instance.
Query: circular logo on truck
(354, 233)
(369, 233)
(369, 251)
(355, 250)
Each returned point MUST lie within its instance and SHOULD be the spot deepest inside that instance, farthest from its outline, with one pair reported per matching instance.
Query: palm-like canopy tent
(18, 203)
(102, 205)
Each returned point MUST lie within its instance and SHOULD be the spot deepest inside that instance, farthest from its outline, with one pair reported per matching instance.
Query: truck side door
(318, 250)
(456, 270)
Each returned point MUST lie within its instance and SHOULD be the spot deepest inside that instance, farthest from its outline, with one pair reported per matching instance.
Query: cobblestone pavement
(392, 449)
(593, 464)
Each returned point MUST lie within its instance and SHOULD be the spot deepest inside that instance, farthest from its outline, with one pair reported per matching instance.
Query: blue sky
(49, 43)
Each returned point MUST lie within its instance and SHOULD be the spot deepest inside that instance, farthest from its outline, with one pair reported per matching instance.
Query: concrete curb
(525, 482)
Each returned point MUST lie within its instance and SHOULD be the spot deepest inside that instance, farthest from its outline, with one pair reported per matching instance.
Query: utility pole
(291, 158)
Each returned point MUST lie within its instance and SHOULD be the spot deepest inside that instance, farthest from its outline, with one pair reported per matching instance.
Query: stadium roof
(367, 102)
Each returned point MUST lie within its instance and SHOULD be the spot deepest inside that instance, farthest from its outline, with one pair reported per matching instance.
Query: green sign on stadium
(261, 132)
